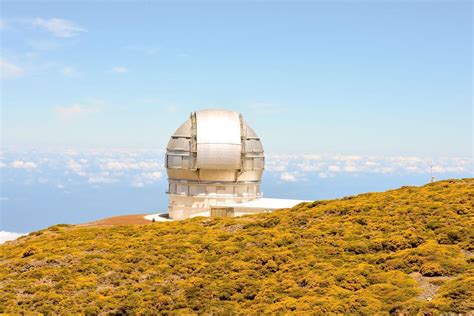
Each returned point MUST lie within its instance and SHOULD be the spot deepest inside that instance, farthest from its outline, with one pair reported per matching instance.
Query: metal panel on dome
(253, 146)
(180, 144)
(184, 130)
(218, 140)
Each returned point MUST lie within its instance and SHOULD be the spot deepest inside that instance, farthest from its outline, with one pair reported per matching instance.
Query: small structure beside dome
(215, 163)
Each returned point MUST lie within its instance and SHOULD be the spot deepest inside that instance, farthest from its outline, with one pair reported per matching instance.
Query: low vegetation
(355, 255)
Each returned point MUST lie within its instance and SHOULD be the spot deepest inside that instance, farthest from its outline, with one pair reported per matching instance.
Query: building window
(211, 189)
(221, 190)
(185, 162)
(197, 190)
(182, 189)
(172, 188)
(257, 163)
(253, 189)
(240, 190)
(174, 161)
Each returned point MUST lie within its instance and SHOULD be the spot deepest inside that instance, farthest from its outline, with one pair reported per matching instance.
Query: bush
(29, 252)
(347, 256)
(431, 269)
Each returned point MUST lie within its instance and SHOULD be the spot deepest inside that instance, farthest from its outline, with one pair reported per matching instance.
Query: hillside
(406, 250)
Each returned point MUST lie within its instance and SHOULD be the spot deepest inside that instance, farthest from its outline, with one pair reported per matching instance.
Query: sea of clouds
(297, 167)
(141, 168)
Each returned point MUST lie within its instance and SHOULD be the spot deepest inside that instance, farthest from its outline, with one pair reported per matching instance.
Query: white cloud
(138, 184)
(288, 177)
(131, 165)
(383, 170)
(9, 70)
(146, 178)
(347, 157)
(334, 168)
(350, 168)
(101, 179)
(371, 163)
(276, 167)
(70, 72)
(76, 111)
(312, 157)
(446, 169)
(58, 27)
(6, 236)
(119, 69)
(20, 164)
(309, 166)
(76, 167)
(278, 163)
(281, 167)
(152, 176)
(324, 175)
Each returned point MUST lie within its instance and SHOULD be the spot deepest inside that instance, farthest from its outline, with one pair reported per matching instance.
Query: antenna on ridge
(432, 179)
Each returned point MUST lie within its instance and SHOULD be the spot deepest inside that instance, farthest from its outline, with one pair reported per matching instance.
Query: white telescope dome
(214, 157)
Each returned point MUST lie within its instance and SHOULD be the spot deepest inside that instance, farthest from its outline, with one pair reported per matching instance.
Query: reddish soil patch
(120, 220)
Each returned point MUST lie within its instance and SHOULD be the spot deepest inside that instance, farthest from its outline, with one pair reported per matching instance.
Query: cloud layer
(293, 168)
(141, 168)
(64, 168)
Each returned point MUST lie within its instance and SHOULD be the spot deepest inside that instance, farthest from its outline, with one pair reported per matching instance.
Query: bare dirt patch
(428, 285)
(120, 220)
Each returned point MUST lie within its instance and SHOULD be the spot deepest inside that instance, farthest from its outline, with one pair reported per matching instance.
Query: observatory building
(215, 163)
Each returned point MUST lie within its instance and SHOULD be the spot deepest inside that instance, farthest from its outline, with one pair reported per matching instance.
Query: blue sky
(390, 77)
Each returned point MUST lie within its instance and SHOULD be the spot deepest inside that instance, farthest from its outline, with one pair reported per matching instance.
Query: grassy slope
(351, 255)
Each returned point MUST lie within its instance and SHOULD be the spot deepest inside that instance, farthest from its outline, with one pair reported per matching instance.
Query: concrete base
(255, 206)
(158, 217)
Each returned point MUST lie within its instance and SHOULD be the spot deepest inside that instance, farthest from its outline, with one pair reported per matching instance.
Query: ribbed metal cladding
(213, 156)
